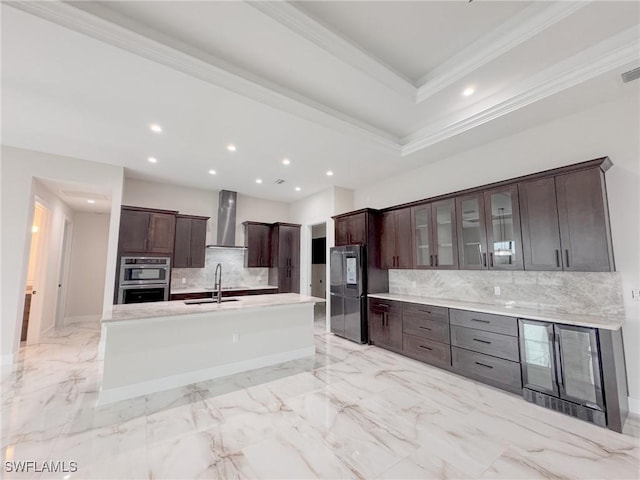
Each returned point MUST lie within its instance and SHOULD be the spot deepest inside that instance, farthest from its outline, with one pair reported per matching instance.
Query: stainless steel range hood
(226, 237)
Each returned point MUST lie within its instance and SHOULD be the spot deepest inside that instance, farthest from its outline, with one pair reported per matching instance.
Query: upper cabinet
(504, 237)
(565, 222)
(190, 243)
(146, 231)
(285, 245)
(395, 242)
(351, 229)
(433, 235)
(472, 234)
(258, 243)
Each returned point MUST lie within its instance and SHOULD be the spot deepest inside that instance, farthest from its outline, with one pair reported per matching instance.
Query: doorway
(36, 275)
(318, 271)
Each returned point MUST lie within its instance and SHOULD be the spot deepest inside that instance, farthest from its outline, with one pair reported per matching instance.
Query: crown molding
(337, 45)
(605, 56)
(506, 37)
(203, 66)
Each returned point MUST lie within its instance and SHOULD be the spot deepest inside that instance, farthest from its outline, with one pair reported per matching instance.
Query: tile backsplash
(563, 292)
(234, 274)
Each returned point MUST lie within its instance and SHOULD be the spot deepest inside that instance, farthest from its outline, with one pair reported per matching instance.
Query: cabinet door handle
(425, 328)
(491, 259)
(484, 259)
(557, 258)
(436, 257)
(382, 305)
(481, 321)
(431, 260)
(426, 348)
(483, 365)
(566, 255)
(481, 341)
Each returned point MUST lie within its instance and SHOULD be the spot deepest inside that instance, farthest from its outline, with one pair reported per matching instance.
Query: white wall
(610, 129)
(87, 267)
(18, 169)
(196, 201)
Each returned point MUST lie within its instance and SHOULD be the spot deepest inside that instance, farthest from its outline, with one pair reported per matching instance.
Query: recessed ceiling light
(286, 161)
(212, 172)
(231, 148)
(152, 160)
(258, 180)
(91, 201)
(298, 189)
(329, 173)
(155, 128)
(468, 91)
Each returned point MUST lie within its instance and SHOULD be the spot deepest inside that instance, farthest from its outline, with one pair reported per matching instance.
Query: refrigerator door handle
(557, 353)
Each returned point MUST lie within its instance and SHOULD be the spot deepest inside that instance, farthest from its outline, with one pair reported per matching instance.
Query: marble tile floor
(352, 411)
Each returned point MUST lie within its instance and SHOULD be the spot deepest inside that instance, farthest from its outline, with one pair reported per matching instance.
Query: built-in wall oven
(144, 279)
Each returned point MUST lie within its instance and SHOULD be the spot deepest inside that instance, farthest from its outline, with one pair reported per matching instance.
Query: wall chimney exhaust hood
(226, 237)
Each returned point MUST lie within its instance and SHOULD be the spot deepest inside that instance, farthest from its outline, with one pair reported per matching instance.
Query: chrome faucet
(218, 282)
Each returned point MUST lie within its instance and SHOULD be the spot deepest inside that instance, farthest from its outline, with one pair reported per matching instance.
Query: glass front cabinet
(488, 225)
(434, 235)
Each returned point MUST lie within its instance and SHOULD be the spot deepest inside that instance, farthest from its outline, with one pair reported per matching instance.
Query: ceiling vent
(279, 181)
(631, 75)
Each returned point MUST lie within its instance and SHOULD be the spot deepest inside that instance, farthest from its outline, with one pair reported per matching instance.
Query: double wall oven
(144, 279)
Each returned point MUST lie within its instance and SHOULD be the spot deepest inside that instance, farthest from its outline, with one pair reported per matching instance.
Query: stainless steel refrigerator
(349, 292)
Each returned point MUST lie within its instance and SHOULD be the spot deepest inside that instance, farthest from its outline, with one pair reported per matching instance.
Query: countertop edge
(603, 322)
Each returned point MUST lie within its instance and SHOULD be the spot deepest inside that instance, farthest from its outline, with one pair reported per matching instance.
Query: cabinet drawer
(428, 351)
(387, 306)
(495, 344)
(431, 312)
(485, 321)
(426, 328)
(494, 371)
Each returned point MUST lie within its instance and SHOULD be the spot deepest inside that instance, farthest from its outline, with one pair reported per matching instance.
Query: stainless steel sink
(198, 301)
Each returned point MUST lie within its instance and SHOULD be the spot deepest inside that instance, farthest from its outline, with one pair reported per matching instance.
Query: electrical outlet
(496, 290)
(236, 338)
(635, 294)
(184, 280)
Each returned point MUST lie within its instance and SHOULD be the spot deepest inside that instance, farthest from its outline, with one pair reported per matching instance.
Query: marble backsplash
(234, 274)
(563, 292)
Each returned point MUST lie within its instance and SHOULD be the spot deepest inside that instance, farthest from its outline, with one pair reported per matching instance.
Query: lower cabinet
(485, 347)
(385, 324)
(426, 334)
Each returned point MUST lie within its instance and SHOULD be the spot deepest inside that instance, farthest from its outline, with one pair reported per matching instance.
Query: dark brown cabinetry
(351, 229)
(385, 324)
(285, 257)
(485, 347)
(257, 240)
(433, 235)
(147, 231)
(565, 222)
(395, 240)
(426, 334)
(190, 243)
(489, 234)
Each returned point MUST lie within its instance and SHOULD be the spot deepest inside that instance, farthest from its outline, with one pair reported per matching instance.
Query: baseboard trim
(634, 406)
(116, 394)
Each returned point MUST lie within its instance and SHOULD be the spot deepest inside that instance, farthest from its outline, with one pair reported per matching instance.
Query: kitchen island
(150, 347)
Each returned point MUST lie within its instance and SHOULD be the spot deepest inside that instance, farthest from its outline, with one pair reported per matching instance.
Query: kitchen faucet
(218, 281)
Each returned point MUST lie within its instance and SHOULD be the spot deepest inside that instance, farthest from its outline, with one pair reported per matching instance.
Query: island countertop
(607, 322)
(135, 311)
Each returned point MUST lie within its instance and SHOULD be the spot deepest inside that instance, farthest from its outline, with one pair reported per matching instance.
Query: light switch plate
(635, 294)
(496, 290)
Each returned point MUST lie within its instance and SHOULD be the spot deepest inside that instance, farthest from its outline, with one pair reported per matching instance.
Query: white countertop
(547, 315)
(179, 290)
(136, 311)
